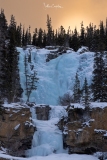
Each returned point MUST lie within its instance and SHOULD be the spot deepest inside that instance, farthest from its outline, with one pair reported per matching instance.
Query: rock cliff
(85, 131)
(16, 130)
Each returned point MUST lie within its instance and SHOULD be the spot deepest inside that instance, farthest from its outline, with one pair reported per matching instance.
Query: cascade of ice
(57, 76)
(48, 138)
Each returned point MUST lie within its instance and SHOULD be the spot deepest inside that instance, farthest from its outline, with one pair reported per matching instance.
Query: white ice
(48, 138)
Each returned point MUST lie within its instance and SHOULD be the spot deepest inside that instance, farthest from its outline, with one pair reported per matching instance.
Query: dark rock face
(16, 131)
(54, 54)
(85, 131)
(42, 112)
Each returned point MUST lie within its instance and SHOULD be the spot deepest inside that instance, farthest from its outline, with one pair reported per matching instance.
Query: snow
(57, 76)
(98, 104)
(76, 105)
(16, 106)
(87, 123)
(16, 127)
(54, 157)
(101, 131)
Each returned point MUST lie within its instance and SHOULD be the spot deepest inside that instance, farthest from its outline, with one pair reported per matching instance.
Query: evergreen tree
(76, 90)
(13, 87)
(34, 40)
(29, 37)
(23, 38)
(97, 82)
(61, 36)
(26, 37)
(49, 29)
(106, 35)
(31, 78)
(82, 35)
(40, 37)
(85, 100)
(89, 36)
(74, 40)
(19, 36)
(3, 53)
(56, 37)
(95, 40)
(44, 38)
(101, 46)
(104, 84)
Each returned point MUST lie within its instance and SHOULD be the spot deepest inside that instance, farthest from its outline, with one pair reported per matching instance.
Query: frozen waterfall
(57, 76)
(48, 138)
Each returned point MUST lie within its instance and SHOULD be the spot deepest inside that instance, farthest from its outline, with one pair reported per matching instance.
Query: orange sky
(72, 13)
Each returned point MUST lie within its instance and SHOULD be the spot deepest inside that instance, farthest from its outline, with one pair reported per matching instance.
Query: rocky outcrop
(16, 130)
(55, 53)
(42, 112)
(85, 131)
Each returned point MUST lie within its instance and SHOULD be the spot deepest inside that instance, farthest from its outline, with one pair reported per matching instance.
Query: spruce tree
(102, 44)
(26, 37)
(104, 83)
(34, 40)
(98, 77)
(49, 31)
(23, 38)
(82, 35)
(95, 40)
(89, 36)
(61, 36)
(3, 54)
(13, 87)
(106, 35)
(76, 90)
(29, 36)
(44, 39)
(40, 37)
(19, 36)
(85, 100)
(74, 40)
(30, 78)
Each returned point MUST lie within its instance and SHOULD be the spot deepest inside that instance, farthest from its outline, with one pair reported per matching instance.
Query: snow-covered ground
(57, 76)
(53, 157)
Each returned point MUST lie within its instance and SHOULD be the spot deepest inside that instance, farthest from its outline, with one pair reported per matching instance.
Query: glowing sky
(62, 12)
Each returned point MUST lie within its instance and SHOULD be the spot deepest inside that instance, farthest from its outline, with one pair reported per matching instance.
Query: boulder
(42, 112)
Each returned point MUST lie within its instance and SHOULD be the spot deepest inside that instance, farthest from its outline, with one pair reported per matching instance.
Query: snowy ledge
(92, 105)
(72, 105)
